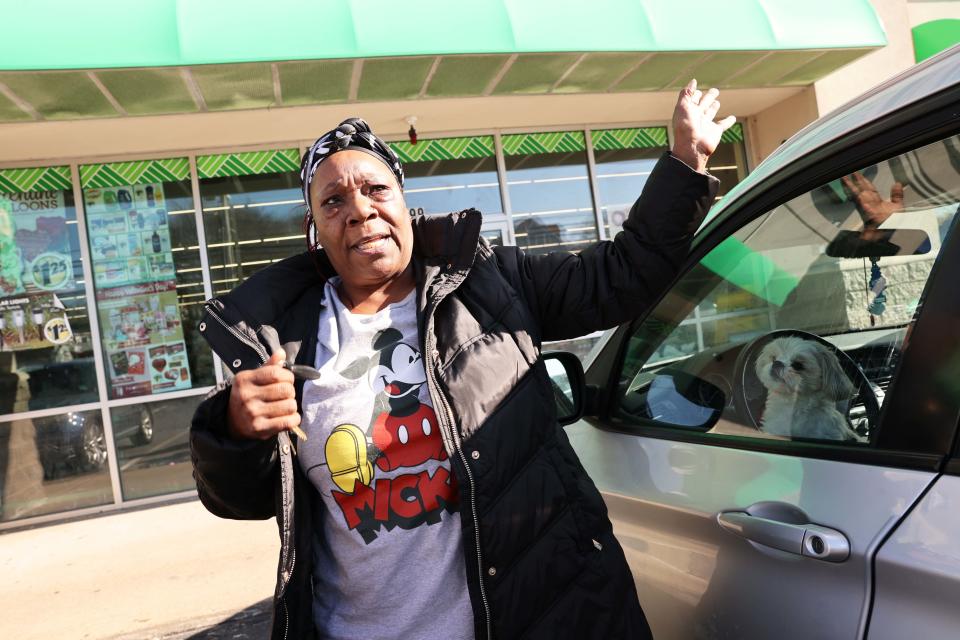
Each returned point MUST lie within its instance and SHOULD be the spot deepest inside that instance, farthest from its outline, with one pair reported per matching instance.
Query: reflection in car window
(792, 327)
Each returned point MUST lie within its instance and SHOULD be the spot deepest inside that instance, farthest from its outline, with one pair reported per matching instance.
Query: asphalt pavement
(166, 572)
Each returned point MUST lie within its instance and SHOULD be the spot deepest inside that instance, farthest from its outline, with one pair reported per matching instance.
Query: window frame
(908, 437)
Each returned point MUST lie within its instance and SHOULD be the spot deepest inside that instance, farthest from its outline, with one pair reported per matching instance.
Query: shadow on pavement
(252, 623)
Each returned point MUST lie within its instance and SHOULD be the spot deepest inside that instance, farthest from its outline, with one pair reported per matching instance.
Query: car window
(793, 327)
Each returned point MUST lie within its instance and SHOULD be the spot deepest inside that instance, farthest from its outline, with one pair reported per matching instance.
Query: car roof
(917, 83)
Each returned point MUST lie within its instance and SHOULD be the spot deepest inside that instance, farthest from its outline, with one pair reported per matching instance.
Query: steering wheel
(749, 394)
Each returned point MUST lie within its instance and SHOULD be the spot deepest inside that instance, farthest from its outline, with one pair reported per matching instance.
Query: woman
(434, 494)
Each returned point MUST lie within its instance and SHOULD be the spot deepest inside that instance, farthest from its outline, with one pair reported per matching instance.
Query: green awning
(107, 34)
(112, 58)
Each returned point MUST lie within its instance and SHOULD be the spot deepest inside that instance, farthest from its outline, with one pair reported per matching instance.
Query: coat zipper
(448, 418)
(293, 564)
(253, 344)
(283, 598)
(258, 348)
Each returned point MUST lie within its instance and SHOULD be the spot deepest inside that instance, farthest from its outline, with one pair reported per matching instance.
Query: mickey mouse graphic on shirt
(404, 435)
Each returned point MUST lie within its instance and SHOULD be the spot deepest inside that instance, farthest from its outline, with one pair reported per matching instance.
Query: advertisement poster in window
(34, 243)
(33, 322)
(129, 235)
(143, 339)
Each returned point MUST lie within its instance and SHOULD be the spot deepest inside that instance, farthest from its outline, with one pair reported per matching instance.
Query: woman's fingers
(263, 401)
(265, 419)
(696, 135)
(896, 193)
(848, 183)
(708, 99)
(711, 111)
(263, 427)
(862, 182)
(277, 408)
(268, 374)
(276, 391)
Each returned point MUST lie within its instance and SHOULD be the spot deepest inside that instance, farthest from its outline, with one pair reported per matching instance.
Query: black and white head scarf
(352, 133)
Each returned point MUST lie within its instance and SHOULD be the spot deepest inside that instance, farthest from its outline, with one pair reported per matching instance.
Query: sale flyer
(124, 197)
(129, 235)
(143, 338)
(168, 367)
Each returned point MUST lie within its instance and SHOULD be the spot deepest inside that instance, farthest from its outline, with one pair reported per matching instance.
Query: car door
(749, 486)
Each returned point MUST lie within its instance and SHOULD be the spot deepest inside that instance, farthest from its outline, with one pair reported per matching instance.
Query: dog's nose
(777, 368)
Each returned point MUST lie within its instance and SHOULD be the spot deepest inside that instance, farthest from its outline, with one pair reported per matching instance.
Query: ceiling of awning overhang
(107, 58)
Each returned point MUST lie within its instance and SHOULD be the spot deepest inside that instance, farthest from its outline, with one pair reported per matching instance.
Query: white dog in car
(804, 382)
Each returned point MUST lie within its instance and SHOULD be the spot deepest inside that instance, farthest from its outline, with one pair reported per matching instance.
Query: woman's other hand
(695, 133)
(263, 401)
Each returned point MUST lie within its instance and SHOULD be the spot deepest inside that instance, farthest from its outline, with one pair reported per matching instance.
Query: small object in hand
(299, 432)
(305, 372)
(302, 371)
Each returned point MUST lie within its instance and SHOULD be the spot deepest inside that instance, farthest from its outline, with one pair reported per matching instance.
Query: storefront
(139, 180)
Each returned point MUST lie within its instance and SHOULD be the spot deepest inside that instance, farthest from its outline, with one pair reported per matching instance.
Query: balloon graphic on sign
(51, 271)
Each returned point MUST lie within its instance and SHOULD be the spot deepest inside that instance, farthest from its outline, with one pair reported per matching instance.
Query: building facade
(156, 168)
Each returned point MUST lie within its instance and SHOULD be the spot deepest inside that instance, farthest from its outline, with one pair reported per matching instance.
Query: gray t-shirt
(388, 555)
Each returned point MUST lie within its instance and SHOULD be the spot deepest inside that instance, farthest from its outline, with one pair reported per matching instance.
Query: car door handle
(810, 540)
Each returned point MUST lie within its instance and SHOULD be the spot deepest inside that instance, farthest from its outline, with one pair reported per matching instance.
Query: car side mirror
(567, 383)
(674, 398)
(679, 399)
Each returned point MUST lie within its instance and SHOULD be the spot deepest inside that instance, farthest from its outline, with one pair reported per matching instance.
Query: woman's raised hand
(695, 133)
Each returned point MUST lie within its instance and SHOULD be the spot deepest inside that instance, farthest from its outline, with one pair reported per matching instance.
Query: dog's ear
(836, 384)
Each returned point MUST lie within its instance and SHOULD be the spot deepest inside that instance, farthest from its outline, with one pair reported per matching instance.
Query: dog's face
(793, 366)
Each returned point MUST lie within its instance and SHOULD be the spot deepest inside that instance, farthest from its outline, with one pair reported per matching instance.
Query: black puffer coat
(541, 560)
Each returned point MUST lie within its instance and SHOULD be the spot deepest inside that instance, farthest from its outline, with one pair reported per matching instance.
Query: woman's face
(361, 219)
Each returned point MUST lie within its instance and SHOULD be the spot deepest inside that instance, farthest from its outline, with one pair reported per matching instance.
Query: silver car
(776, 440)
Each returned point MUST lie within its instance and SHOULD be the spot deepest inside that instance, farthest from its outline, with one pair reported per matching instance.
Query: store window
(547, 180)
(52, 464)
(153, 450)
(146, 271)
(450, 174)
(624, 158)
(252, 212)
(46, 354)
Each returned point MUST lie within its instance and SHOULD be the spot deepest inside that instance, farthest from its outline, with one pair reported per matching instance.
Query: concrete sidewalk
(164, 572)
